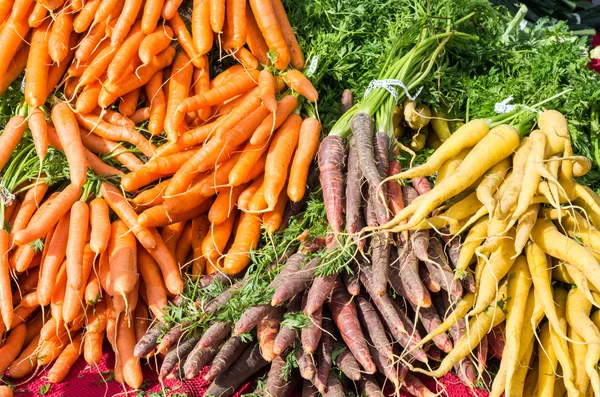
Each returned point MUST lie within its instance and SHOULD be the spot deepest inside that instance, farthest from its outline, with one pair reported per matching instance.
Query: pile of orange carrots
(205, 162)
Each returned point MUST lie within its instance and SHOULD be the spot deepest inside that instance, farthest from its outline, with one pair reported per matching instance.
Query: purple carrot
(286, 335)
(291, 266)
(496, 340)
(385, 366)
(452, 245)
(249, 363)
(434, 353)
(352, 282)
(250, 318)
(311, 334)
(380, 258)
(369, 386)
(305, 364)
(413, 386)
(290, 386)
(276, 382)
(215, 304)
(324, 356)
(431, 321)
(223, 278)
(404, 276)
(439, 269)
(334, 388)
(346, 318)
(149, 340)
(332, 153)
(227, 355)
(421, 185)
(215, 334)
(395, 191)
(362, 129)
(176, 355)
(374, 327)
(428, 282)
(172, 337)
(319, 292)
(309, 390)
(482, 353)
(381, 150)
(295, 283)
(468, 283)
(409, 195)
(292, 209)
(420, 243)
(347, 101)
(197, 360)
(346, 362)
(354, 216)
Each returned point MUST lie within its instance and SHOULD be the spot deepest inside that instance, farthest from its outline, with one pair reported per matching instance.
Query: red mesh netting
(84, 381)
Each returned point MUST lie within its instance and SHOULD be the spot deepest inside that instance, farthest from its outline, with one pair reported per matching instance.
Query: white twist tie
(6, 197)
(577, 18)
(523, 25)
(389, 85)
(314, 62)
(505, 106)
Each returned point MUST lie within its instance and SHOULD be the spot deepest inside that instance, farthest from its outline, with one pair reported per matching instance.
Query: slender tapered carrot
(285, 107)
(225, 203)
(213, 245)
(68, 133)
(126, 21)
(255, 39)
(179, 87)
(132, 371)
(301, 84)
(12, 134)
(123, 259)
(151, 15)
(12, 35)
(167, 264)
(58, 42)
(126, 53)
(158, 216)
(12, 346)
(158, 104)
(296, 58)
(39, 132)
(272, 219)
(235, 13)
(279, 157)
(123, 209)
(80, 215)
(156, 293)
(185, 39)
(72, 302)
(268, 24)
(99, 225)
(6, 304)
(31, 202)
(15, 68)
(202, 31)
(57, 248)
(308, 144)
(266, 83)
(246, 238)
(104, 146)
(65, 360)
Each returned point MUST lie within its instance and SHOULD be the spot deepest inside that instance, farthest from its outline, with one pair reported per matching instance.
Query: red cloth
(85, 381)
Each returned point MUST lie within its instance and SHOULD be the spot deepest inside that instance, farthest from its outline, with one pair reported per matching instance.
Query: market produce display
(416, 197)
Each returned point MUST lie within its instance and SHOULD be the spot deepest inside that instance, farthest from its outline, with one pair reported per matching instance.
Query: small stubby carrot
(255, 39)
(58, 41)
(266, 84)
(124, 211)
(247, 237)
(279, 158)
(46, 218)
(301, 84)
(6, 304)
(308, 144)
(80, 215)
(39, 131)
(153, 280)
(296, 58)
(285, 107)
(68, 133)
(85, 17)
(151, 15)
(266, 19)
(99, 225)
(10, 137)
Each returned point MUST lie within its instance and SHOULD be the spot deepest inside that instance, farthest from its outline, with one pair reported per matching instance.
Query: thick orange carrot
(308, 144)
(268, 24)
(84, 19)
(170, 8)
(92, 350)
(105, 9)
(225, 203)
(39, 132)
(29, 205)
(213, 245)
(65, 360)
(266, 83)
(301, 84)
(57, 248)
(285, 107)
(244, 130)
(12, 346)
(115, 118)
(247, 236)
(132, 372)
(58, 42)
(235, 13)
(202, 32)
(296, 57)
(255, 39)
(10, 137)
(157, 216)
(155, 42)
(279, 158)
(15, 68)
(12, 34)
(68, 133)
(38, 63)
(126, 53)
(90, 43)
(179, 88)
(78, 228)
(250, 103)
(38, 15)
(6, 304)
(125, 212)
(46, 219)
(123, 258)
(126, 21)
(151, 15)
(5, 9)
(153, 280)
(26, 361)
(167, 264)
(97, 66)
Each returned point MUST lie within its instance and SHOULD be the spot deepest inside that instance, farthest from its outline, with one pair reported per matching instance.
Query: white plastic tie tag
(523, 25)
(6, 197)
(505, 106)
(312, 68)
(577, 18)
(389, 85)
(23, 86)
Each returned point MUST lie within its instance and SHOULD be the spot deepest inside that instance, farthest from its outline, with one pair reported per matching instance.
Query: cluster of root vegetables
(172, 169)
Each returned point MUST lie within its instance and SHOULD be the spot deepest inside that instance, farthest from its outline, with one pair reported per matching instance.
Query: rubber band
(388, 85)
(577, 18)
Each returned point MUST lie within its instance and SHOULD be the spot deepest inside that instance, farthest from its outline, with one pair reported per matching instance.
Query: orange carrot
(179, 87)
(225, 75)
(115, 118)
(84, 19)
(126, 53)
(158, 104)
(38, 15)
(184, 245)
(217, 15)
(57, 71)
(92, 349)
(230, 89)
(244, 130)
(15, 68)
(105, 146)
(88, 99)
(106, 130)
(201, 84)
(308, 143)
(12, 34)
(247, 236)
(105, 9)
(200, 226)
(73, 299)
(258, 202)
(246, 58)
(5, 9)
(100, 225)
(90, 43)
(213, 245)
(57, 248)
(301, 84)
(235, 11)
(27, 283)
(6, 304)
(19, 9)
(58, 42)
(285, 107)
(151, 15)
(150, 197)
(132, 372)
(255, 39)
(202, 31)
(123, 262)
(225, 203)
(68, 133)
(97, 66)
(167, 264)
(272, 219)
(127, 214)
(22, 257)
(129, 102)
(296, 58)
(46, 219)
(279, 158)
(153, 280)
(266, 83)
(249, 192)
(141, 115)
(58, 296)
(126, 21)
(170, 235)
(29, 205)
(268, 24)
(93, 290)
(12, 346)
(157, 216)
(80, 216)
(39, 132)
(185, 40)
(170, 8)
(10, 137)
(250, 103)
(25, 362)
(155, 42)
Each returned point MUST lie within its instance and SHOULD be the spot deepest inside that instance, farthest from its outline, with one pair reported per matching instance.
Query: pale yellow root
(578, 316)
(490, 183)
(524, 226)
(450, 166)
(518, 384)
(578, 350)
(474, 239)
(530, 388)
(463, 225)
(509, 199)
(547, 364)
(560, 345)
(556, 128)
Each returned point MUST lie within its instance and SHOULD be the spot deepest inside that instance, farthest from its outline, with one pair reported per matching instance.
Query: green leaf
(44, 389)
